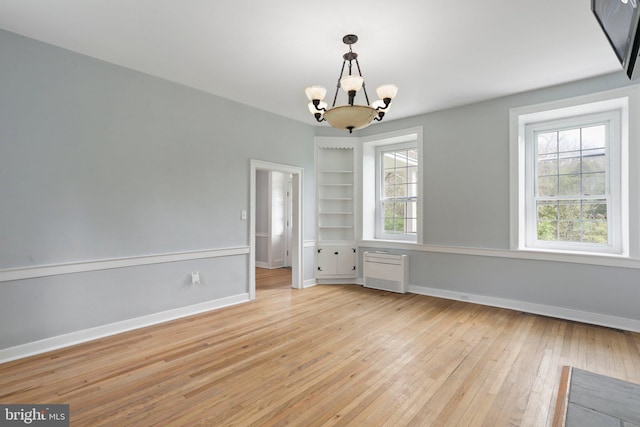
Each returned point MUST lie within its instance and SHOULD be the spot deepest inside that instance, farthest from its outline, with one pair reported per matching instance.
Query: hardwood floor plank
(330, 355)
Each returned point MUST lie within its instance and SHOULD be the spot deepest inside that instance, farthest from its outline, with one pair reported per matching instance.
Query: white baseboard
(527, 307)
(66, 340)
(346, 281)
(309, 283)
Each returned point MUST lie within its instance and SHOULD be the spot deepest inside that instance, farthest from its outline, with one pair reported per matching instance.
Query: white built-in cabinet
(336, 250)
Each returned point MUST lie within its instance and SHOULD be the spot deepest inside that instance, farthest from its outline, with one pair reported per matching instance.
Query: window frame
(370, 185)
(570, 113)
(381, 199)
(611, 119)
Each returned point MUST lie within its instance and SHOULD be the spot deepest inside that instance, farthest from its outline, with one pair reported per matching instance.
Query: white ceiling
(439, 53)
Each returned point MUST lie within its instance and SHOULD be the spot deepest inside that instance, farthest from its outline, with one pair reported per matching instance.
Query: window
(572, 189)
(392, 186)
(397, 207)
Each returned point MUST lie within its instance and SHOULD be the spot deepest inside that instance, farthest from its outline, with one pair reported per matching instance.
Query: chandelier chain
(364, 89)
(338, 85)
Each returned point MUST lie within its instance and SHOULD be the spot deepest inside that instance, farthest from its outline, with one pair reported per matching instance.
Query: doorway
(273, 219)
(294, 228)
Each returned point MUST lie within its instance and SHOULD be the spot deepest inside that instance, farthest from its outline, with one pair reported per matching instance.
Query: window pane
(398, 209)
(593, 184)
(548, 230)
(411, 209)
(593, 137)
(595, 232)
(388, 217)
(572, 221)
(569, 231)
(412, 174)
(548, 186)
(388, 209)
(548, 167)
(547, 142)
(593, 163)
(569, 185)
(389, 191)
(389, 177)
(595, 210)
(389, 160)
(413, 156)
(412, 226)
(569, 163)
(569, 140)
(547, 211)
(412, 190)
(569, 211)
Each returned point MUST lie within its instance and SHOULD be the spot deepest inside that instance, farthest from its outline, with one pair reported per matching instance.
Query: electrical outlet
(195, 278)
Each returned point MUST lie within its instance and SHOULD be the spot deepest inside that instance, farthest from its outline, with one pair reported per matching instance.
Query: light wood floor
(327, 355)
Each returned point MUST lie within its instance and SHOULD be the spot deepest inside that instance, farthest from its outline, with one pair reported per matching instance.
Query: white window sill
(608, 260)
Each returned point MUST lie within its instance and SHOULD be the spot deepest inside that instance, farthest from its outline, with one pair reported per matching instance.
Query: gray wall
(466, 204)
(100, 162)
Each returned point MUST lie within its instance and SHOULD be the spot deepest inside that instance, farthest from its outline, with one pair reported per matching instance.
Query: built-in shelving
(335, 197)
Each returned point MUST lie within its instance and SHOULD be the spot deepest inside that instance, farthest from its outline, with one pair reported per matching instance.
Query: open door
(295, 233)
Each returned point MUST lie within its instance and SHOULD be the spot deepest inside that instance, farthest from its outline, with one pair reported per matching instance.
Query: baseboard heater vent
(387, 272)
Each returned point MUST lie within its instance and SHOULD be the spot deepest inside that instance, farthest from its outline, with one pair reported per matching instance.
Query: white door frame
(296, 229)
(288, 221)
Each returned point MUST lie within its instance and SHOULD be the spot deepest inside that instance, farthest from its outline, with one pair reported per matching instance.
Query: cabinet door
(336, 260)
(327, 260)
(346, 263)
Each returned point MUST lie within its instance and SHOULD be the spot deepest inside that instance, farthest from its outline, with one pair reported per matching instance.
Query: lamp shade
(387, 91)
(349, 83)
(315, 92)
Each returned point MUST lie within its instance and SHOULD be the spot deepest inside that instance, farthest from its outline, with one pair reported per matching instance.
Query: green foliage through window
(571, 186)
(399, 191)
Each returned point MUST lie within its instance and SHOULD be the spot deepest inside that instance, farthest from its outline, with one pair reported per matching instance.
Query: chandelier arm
(338, 85)
(363, 86)
(386, 101)
(379, 117)
(316, 103)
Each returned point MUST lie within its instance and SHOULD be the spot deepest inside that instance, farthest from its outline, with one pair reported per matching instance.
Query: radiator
(386, 272)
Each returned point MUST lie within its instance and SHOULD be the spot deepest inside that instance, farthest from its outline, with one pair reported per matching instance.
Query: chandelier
(350, 116)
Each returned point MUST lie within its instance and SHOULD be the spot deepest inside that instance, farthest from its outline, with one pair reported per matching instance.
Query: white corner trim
(73, 338)
(527, 307)
(105, 264)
